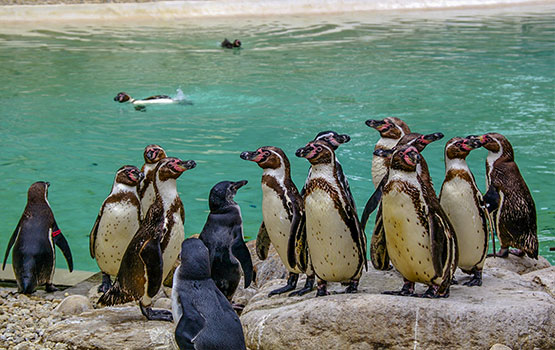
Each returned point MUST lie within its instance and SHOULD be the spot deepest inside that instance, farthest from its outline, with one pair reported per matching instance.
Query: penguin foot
(352, 288)
(454, 281)
(433, 293)
(322, 289)
(106, 283)
(156, 315)
(518, 252)
(502, 253)
(140, 108)
(407, 290)
(49, 287)
(476, 279)
(308, 286)
(291, 284)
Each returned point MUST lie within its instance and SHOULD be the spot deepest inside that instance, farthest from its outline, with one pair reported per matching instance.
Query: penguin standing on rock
(34, 255)
(116, 223)
(223, 236)
(153, 154)
(203, 316)
(283, 217)
(508, 199)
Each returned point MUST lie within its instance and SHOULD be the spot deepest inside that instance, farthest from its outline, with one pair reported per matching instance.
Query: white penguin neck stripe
(492, 157)
(119, 188)
(456, 164)
(279, 173)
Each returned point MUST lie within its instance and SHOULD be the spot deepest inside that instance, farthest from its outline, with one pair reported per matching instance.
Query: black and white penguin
(223, 236)
(391, 130)
(116, 223)
(336, 243)
(203, 316)
(123, 97)
(34, 255)
(231, 45)
(508, 199)
(152, 155)
(283, 217)
(462, 201)
(419, 237)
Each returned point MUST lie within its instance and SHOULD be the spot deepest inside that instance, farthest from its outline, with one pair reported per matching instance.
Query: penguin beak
(383, 153)
(375, 124)
(189, 164)
(433, 137)
(237, 185)
(305, 151)
(472, 143)
(343, 138)
(248, 155)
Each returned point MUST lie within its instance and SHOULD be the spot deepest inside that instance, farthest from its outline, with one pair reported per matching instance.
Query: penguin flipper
(190, 324)
(262, 242)
(241, 252)
(61, 242)
(491, 199)
(378, 247)
(297, 252)
(151, 256)
(94, 233)
(11, 242)
(440, 233)
(372, 203)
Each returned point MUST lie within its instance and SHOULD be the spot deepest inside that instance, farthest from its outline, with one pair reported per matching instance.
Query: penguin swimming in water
(462, 201)
(203, 316)
(420, 239)
(34, 255)
(336, 243)
(231, 45)
(116, 223)
(152, 155)
(223, 236)
(508, 199)
(283, 217)
(140, 105)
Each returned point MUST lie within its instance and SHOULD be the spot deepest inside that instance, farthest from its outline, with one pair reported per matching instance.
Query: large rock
(508, 309)
(520, 265)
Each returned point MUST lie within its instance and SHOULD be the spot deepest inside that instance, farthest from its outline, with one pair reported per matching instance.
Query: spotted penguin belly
(408, 241)
(335, 256)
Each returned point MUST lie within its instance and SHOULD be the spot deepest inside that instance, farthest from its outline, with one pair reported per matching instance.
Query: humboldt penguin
(508, 199)
(391, 130)
(34, 255)
(336, 243)
(231, 45)
(223, 236)
(462, 201)
(204, 318)
(283, 217)
(152, 154)
(144, 266)
(419, 237)
(116, 223)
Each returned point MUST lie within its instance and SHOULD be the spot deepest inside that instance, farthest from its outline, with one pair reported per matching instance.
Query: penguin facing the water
(223, 236)
(33, 241)
(152, 155)
(203, 316)
(283, 217)
(336, 243)
(116, 223)
(462, 201)
(508, 199)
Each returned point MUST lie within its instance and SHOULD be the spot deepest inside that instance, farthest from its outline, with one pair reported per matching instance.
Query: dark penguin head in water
(153, 153)
(122, 97)
(332, 138)
(405, 158)
(230, 45)
(317, 152)
(267, 157)
(195, 260)
(129, 175)
(221, 195)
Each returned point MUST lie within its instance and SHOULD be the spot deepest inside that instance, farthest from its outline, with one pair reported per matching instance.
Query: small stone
(73, 305)
(500, 347)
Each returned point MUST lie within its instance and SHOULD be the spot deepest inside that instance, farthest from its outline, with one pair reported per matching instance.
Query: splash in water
(181, 98)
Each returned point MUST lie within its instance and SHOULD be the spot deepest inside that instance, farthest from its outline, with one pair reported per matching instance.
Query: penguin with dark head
(231, 45)
(33, 241)
(223, 236)
(204, 317)
(152, 155)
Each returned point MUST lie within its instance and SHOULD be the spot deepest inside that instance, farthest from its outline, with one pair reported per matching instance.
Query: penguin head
(424, 140)
(172, 168)
(195, 260)
(317, 152)
(129, 175)
(390, 127)
(222, 194)
(495, 143)
(236, 43)
(122, 97)
(459, 147)
(332, 138)
(38, 192)
(267, 157)
(405, 158)
(153, 154)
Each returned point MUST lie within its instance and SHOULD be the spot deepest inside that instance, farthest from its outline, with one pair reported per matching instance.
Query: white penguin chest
(177, 235)
(335, 255)
(407, 239)
(117, 226)
(378, 170)
(148, 198)
(277, 223)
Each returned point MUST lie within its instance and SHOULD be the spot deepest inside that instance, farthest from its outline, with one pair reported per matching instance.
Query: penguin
(462, 201)
(140, 105)
(203, 316)
(336, 242)
(508, 199)
(231, 45)
(419, 236)
(36, 233)
(223, 236)
(391, 130)
(116, 223)
(283, 216)
(152, 155)
(144, 267)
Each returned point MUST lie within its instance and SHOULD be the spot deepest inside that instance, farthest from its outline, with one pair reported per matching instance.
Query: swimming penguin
(230, 45)
(223, 236)
(203, 316)
(283, 217)
(462, 201)
(116, 223)
(508, 199)
(141, 104)
(420, 239)
(336, 243)
(152, 155)
(34, 255)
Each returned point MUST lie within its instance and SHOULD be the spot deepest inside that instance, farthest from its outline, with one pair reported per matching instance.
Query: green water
(458, 72)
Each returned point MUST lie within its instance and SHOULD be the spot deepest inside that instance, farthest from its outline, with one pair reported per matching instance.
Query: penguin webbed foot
(517, 252)
(156, 315)
(454, 281)
(406, 290)
(322, 289)
(140, 108)
(308, 286)
(291, 284)
(502, 253)
(475, 280)
(352, 288)
(433, 293)
(49, 287)
(106, 283)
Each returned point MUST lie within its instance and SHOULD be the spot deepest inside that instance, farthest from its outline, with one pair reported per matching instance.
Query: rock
(517, 264)
(544, 278)
(269, 269)
(500, 347)
(508, 308)
(73, 305)
(163, 303)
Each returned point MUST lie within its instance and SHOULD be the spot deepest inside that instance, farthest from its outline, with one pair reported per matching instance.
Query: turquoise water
(458, 72)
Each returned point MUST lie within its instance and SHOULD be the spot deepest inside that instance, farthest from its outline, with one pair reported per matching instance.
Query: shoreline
(68, 10)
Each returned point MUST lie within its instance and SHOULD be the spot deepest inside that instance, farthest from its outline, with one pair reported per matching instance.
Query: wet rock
(73, 305)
